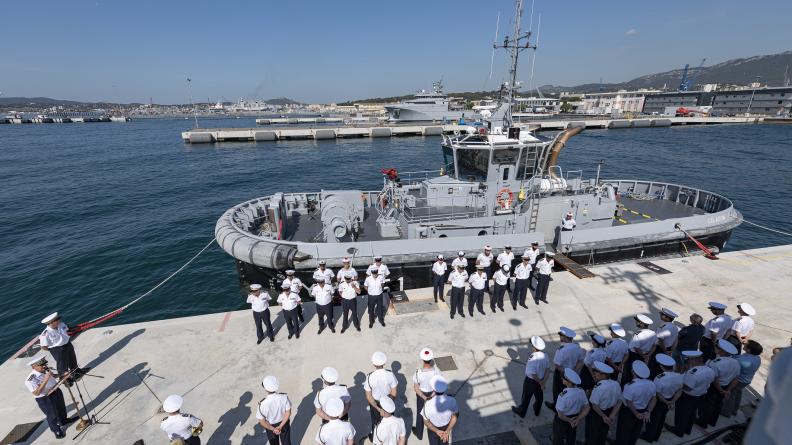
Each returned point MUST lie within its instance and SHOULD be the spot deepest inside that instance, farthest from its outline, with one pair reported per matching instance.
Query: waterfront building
(614, 102)
(657, 103)
(768, 101)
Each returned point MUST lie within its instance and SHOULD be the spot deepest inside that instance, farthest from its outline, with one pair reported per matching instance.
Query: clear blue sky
(323, 51)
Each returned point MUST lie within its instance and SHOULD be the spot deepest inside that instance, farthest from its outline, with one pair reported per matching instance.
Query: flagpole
(195, 114)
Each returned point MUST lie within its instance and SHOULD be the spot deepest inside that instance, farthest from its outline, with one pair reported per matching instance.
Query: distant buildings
(657, 103)
(768, 101)
(614, 102)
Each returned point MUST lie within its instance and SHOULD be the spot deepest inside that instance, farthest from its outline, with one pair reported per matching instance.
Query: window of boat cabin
(448, 160)
(473, 164)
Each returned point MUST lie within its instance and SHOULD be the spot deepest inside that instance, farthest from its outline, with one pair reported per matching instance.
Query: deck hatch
(654, 268)
(446, 363)
(20, 433)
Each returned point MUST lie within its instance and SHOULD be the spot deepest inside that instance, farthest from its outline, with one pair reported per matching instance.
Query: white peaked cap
(665, 360)
(51, 317)
(334, 407)
(572, 376)
(668, 312)
(426, 354)
(172, 404)
(461, 253)
(330, 375)
(644, 319)
(439, 383)
(39, 359)
(255, 286)
(285, 286)
(505, 267)
(270, 383)
(727, 347)
(617, 329)
(440, 257)
(379, 358)
(716, 305)
(345, 260)
(691, 354)
(487, 247)
(603, 367)
(747, 308)
(538, 343)
(640, 369)
(566, 332)
(386, 403)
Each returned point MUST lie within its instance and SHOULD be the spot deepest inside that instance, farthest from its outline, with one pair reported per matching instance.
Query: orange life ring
(504, 198)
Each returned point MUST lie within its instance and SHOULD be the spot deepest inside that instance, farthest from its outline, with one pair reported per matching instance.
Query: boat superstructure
(426, 106)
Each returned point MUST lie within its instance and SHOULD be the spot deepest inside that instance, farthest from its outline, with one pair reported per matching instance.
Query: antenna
(518, 42)
(492, 59)
(533, 56)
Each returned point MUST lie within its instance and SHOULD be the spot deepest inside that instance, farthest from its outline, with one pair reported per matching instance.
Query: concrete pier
(214, 362)
(301, 120)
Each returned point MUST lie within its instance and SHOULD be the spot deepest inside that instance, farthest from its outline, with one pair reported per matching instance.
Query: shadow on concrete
(231, 419)
(403, 388)
(305, 412)
(117, 346)
(358, 412)
(258, 437)
(113, 395)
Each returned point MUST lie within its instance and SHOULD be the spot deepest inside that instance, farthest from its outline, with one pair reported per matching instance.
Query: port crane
(686, 82)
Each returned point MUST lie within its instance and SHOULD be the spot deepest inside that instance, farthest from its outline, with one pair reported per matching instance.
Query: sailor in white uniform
(568, 355)
(457, 279)
(259, 303)
(595, 354)
(743, 326)
(40, 382)
(180, 426)
(422, 385)
(322, 293)
(606, 401)
(374, 285)
(571, 408)
(544, 268)
(639, 396)
(505, 257)
(331, 390)
(346, 269)
(439, 268)
(460, 260)
(537, 371)
(440, 413)
(349, 290)
(379, 383)
(669, 388)
(55, 339)
(486, 259)
(616, 349)
(335, 431)
(273, 413)
(324, 272)
(290, 301)
(501, 283)
(568, 222)
(522, 277)
(296, 286)
(695, 382)
(478, 284)
(715, 329)
(380, 266)
(642, 345)
(533, 255)
(390, 430)
(667, 338)
(727, 369)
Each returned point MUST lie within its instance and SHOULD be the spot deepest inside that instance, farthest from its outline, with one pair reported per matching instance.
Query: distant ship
(425, 107)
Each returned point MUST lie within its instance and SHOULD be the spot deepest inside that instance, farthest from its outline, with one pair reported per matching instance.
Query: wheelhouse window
(473, 164)
(505, 156)
(448, 161)
(527, 167)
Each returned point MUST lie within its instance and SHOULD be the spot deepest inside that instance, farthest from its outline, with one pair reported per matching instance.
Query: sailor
(259, 303)
(669, 388)
(749, 362)
(743, 326)
(486, 259)
(537, 370)
(695, 382)
(422, 385)
(544, 267)
(689, 337)
(380, 383)
(460, 260)
(322, 292)
(571, 408)
(55, 339)
(457, 280)
(715, 329)
(391, 429)
(727, 369)
(533, 255)
(330, 390)
(180, 426)
(439, 268)
(595, 354)
(522, 277)
(374, 286)
(290, 301)
(667, 337)
(642, 345)
(568, 222)
(335, 430)
(323, 272)
(501, 283)
(639, 400)
(273, 413)
(296, 287)
(568, 355)
(606, 401)
(349, 290)
(440, 413)
(616, 349)
(346, 269)
(505, 257)
(478, 283)
(40, 382)
(380, 266)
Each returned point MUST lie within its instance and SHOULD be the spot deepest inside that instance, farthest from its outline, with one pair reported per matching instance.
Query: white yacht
(426, 106)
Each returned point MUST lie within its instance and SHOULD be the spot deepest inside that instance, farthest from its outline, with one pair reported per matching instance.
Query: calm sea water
(93, 215)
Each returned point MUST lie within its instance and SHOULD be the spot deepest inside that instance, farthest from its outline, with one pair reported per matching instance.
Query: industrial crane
(688, 83)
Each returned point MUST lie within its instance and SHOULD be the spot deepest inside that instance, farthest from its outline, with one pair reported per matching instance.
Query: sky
(331, 51)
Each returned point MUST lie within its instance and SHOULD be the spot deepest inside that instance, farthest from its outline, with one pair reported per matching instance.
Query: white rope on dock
(767, 228)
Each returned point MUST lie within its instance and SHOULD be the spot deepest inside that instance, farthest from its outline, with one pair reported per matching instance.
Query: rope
(767, 228)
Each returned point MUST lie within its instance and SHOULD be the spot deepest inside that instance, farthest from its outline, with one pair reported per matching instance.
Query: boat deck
(214, 362)
(308, 228)
(646, 210)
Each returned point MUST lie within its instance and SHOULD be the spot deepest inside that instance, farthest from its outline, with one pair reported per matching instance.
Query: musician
(57, 341)
(180, 426)
(40, 382)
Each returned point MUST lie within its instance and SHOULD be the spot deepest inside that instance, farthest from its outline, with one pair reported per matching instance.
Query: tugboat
(501, 185)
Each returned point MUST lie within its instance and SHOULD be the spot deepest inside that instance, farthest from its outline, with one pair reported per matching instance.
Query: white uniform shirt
(478, 281)
(616, 350)
(485, 260)
(51, 338)
(335, 432)
(639, 392)
(382, 270)
(423, 377)
(35, 378)
(322, 294)
(439, 267)
(537, 365)
(545, 267)
(289, 301)
(295, 283)
(726, 369)
(505, 258)
(344, 272)
(331, 392)
(743, 326)
(697, 380)
(500, 277)
(379, 383)
(594, 355)
(571, 401)
(272, 408)
(643, 341)
(459, 262)
(667, 333)
(531, 253)
(327, 274)
(439, 409)
(568, 223)
(568, 355)
(374, 284)
(606, 394)
(389, 431)
(457, 279)
(260, 302)
(347, 290)
(179, 425)
(668, 383)
(522, 271)
(720, 325)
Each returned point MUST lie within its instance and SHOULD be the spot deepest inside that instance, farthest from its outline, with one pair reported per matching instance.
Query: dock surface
(214, 362)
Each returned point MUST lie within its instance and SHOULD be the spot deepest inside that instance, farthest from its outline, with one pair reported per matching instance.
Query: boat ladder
(573, 266)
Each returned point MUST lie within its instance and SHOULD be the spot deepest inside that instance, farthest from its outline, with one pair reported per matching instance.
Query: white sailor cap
(375, 270)
(716, 305)
(603, 367)
(507, 247)
(538, 343)
(426, 354)
(617, 329)
(665, 360)
(334, 407)
(598, 339)
(550, 254)
(37, 360)
(50, 318)
(479, 267)
(270, 383)
(506, 267)
(379, 358)
(535, 244)
(322, 262)
(644, 319)
(461, 253)
(329, 375)
(255, 286)
(347, 276)
(487, 247)
(387, 404)
(572, 376)
(525, 257)
(566, 332)
(570, 214)
(668, 312)
(285, 286)
(640, 369)
(378, 258)
(345, 260)
(747, 308)
(439, 384)
(727, 347)
(440, 257)
(290, 272)
(172, 403)
(692, 354)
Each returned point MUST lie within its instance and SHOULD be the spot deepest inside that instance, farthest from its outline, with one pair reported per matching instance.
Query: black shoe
(320, 331)
(516, 410)
(502, 310)
(60, 435)
(297, 335)
(482, 313)
(258, 342)
(371, 325)
(343, 330)
(471, 313)
(358, 328)
(442, 299)
(462, 315)
(673, 430)
(514, 308)
(382, 323)
(290, 336)
(523, 305)
(545, 302)
(272, 339)
(452, 316)
(332, 330)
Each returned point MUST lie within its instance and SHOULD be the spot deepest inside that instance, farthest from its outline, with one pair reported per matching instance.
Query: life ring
(504, 198)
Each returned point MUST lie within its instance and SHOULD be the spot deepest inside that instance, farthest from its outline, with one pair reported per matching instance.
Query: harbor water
(94, 215)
